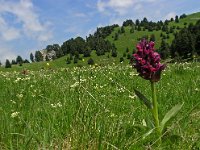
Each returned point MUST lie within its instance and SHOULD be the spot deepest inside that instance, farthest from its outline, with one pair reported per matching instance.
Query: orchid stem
(155, 111)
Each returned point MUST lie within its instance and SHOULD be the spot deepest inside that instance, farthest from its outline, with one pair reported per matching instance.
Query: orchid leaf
(143, 99)
(172, 112)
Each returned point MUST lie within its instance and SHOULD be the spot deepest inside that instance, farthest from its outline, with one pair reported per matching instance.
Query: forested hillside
(177, 39)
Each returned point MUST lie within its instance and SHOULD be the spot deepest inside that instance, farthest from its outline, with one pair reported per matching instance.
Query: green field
(61, 62)
(95, 108)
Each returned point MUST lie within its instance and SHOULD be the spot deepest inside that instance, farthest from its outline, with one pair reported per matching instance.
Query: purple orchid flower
(147, 61)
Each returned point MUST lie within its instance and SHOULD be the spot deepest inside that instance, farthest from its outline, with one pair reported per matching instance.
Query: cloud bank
(20, 20)
(25, 17)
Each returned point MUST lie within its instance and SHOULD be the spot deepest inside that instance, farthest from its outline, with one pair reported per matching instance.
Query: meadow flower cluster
(147, 61)
(15, 114)
(56, 105)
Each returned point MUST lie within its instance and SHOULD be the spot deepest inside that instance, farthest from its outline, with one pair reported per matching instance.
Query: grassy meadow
(94, 107)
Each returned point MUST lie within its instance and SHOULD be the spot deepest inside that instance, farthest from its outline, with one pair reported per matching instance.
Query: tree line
(76, 46)
(184, 46)
(186, 43)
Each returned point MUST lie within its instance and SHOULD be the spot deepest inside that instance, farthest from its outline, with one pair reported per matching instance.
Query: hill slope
(125, 40)
(129, 40)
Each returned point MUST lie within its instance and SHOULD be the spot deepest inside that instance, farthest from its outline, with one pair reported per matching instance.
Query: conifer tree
(32, 57)
(7, 64)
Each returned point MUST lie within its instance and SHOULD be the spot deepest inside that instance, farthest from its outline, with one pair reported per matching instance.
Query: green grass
(129, 40)
(61, 62)
(95, 108)
(192, 18)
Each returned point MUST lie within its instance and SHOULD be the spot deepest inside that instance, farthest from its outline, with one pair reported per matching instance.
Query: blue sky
(30, 25)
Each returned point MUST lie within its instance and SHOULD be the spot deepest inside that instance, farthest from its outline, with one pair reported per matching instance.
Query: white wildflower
(53, 105)
(13, 101)
(82, 80)
(112, 115)
(59, 104)
(132, 96)
(14, 114)
(20, 96)
(17, 80)
(144, 123)
(133, 74)
(103, 96)
(56, 105)
(27, 78)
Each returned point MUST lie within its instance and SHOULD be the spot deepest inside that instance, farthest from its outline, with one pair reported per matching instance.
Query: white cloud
(121, 7)
(138, 7)
(150, 0)
(101, 6)
(120, 3)
(118, 6)
(19, 20)
(25, 14)
(114, 4)
(72, 29)
(45, 36)
(11, 34)
(116, 20)
(170, 15)
(90, 31)
(6, 53)
(8, 33)
(81, 15)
